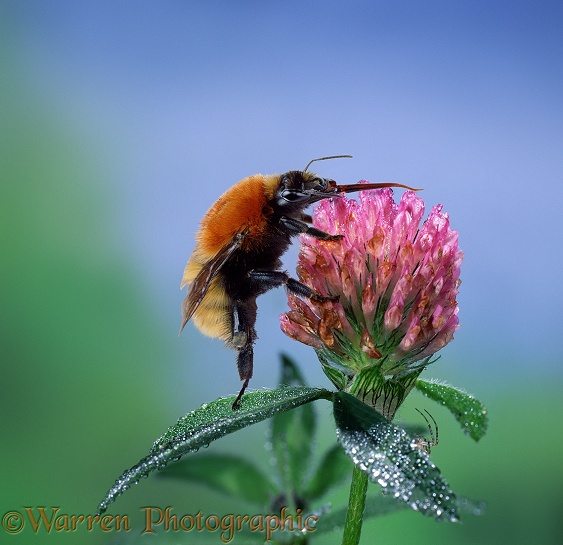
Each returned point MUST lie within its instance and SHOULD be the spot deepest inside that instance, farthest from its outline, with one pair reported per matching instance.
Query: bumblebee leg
(263, 281)
(266, 280)
(294, 227)
(244, 335)
(240, 328)
(298, 288)
(245, 364)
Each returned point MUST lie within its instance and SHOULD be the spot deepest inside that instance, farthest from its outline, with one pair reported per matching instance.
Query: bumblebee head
(298, 189)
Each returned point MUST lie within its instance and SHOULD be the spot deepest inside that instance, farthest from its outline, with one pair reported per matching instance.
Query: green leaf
(208, 423)
(468, 411)
(291, 435)
(332, 470)
(227, 474)
(392, 458)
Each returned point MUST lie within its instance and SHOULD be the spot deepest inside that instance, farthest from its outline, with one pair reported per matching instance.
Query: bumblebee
(238, 249)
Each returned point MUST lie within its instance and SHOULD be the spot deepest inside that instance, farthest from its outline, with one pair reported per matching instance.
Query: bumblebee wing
(203, 280)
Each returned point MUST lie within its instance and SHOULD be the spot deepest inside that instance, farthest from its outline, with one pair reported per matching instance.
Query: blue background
(122, 122)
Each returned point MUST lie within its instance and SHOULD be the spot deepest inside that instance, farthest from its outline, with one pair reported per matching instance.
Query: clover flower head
(397, 282)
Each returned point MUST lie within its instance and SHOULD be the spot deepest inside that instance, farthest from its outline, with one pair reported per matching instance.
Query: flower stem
(356, 505)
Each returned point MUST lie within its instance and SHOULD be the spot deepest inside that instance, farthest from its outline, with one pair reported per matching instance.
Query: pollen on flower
(397, 280)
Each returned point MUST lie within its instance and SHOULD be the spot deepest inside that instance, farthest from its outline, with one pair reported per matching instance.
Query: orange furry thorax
(243, 206)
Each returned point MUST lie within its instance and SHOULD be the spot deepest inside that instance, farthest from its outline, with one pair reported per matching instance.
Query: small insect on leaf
(423, 443)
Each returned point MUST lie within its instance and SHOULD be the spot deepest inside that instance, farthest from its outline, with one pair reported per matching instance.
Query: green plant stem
(356, 505)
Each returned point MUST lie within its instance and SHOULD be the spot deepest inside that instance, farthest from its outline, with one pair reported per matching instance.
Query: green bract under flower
(397, 281)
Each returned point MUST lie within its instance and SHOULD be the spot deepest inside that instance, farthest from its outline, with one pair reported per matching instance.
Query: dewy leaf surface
(468, 411)
(392, 459)
(208, 423)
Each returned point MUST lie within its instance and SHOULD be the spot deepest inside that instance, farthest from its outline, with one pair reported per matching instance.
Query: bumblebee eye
(291, 195)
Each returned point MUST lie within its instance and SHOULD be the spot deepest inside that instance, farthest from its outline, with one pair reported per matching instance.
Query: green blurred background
(121, 122)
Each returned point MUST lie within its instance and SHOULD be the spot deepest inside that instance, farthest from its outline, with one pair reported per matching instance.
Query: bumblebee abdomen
(213, 316)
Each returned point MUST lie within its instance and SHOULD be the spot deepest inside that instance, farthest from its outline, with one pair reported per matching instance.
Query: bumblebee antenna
(325, 158)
